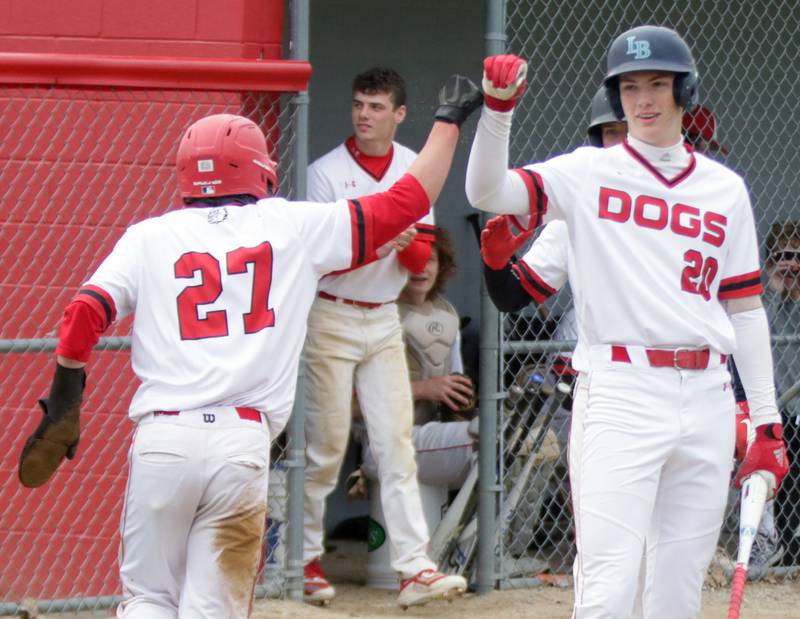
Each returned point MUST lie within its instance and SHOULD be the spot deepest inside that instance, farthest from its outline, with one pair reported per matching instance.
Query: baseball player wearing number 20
(220, 290)
(666, 285)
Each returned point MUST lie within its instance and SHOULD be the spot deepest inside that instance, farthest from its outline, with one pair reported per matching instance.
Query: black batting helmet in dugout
(652, 48)
(600, 115)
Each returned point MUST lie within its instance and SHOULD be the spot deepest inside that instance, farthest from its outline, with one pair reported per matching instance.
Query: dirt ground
(762, 601)
(776, 599)
(345, 567)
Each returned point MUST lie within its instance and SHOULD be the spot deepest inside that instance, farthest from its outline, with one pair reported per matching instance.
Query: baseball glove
(58, 432)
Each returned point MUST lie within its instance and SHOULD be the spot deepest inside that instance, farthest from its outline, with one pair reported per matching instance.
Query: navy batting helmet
(601, 114)
(652, 48)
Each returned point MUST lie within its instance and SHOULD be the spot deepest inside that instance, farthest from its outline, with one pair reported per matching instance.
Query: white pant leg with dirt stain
(194, 516)
(350, 347)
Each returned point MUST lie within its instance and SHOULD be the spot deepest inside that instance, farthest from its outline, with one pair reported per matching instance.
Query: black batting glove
(458, 98)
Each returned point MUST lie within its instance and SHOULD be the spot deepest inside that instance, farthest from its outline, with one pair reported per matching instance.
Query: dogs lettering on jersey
(651, 212)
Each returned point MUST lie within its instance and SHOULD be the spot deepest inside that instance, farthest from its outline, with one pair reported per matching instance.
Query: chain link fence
(748, 80)
(79, 164)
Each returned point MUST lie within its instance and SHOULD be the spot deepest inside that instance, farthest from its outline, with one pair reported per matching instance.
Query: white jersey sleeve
(555, 178)
(118, 274)
(544, 268)
(740, 274)
(330, 233)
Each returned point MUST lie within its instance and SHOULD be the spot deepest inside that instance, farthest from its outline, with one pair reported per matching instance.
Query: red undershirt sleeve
(85, 319)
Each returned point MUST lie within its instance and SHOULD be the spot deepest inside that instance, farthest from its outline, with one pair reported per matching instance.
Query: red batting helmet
(225, 155)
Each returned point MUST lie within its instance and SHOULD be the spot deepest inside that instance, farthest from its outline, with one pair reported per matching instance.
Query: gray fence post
(295, 431)
(488, 486)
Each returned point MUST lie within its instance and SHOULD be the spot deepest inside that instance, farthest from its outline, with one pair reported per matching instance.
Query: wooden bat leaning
(754, 494)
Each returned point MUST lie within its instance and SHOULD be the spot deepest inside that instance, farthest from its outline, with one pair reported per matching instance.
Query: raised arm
(387, 214)
(490, 185)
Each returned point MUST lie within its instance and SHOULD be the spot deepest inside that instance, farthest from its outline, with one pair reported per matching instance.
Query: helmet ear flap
(612, 89)
(685, 90)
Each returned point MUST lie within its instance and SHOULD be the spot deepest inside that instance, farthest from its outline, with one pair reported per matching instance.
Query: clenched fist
(503, 81)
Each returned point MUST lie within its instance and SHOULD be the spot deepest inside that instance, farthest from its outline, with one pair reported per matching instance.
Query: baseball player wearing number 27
(220, 291)
(666, 286)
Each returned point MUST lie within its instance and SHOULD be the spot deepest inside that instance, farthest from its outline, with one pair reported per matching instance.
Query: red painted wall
(77, 165)
(200, 28)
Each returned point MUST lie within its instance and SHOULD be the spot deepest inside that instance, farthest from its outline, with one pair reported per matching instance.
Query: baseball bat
(454, 519)
(460, 557)
(754, 494)
(514, 496)
(449, 538)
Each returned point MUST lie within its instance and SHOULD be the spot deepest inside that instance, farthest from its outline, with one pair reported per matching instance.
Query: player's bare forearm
(432, 165)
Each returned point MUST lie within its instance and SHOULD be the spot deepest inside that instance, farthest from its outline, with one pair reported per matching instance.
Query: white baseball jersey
(542, 271)
(544, 268)
(653, 256)
(221, 296)
(338, 174)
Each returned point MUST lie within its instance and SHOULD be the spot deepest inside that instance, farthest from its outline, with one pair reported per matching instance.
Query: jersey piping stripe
(739, 286)
(533, 284)
(654, 171)
(537, 198)
(359, 244)
(103, 298)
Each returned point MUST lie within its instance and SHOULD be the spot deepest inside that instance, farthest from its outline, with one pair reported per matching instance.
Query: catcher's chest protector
(429, 333)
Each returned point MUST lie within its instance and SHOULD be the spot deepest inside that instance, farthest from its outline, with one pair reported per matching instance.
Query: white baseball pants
(349, 346)
(650, 458)
(194, 514)
(444, 452)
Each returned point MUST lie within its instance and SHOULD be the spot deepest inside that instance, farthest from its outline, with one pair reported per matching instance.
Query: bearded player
(220, 290)
(666, 286)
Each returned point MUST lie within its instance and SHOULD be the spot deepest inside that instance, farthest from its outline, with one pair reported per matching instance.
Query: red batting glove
(503, 81)
(767, 453)
(743, 429)
(498, 242)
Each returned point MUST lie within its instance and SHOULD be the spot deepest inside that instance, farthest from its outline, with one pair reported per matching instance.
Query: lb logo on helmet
(652, 48)
(639, 49)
